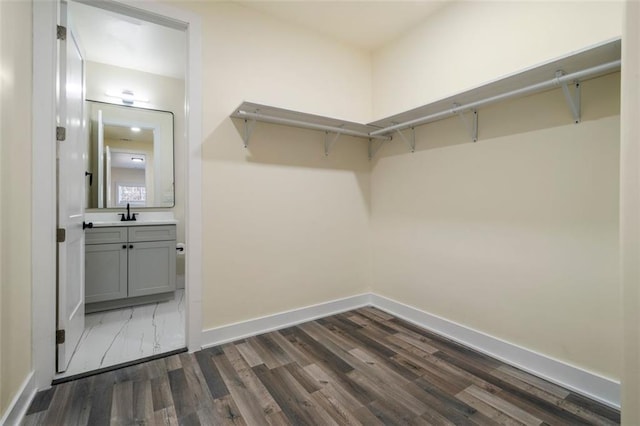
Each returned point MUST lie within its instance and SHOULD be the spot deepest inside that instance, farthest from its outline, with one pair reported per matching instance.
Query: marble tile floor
(123, 335)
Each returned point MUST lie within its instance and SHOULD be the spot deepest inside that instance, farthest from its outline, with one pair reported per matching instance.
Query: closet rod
(304, 125)
(538, 87)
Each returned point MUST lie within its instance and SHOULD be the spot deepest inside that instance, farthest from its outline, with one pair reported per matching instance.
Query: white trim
(20, 403)
(576, 379)
(43, 210)
(193, 209)
(252, 327)
(44, 193)
(158, 14)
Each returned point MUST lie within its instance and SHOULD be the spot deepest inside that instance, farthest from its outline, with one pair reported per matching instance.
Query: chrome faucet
(128, 216)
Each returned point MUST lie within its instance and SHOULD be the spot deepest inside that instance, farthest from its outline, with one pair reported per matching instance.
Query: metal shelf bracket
(374, 147)
(249, 125)
(411, 143)
(574, 101)
(472, 127)
(329, 141)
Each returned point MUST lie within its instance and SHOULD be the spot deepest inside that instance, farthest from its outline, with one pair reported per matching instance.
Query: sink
(144, 219)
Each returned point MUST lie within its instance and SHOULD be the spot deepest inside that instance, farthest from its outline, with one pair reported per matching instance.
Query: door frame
(43, 219)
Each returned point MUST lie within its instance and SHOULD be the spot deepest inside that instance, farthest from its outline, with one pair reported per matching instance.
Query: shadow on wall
(284, 145)
(600, 98)
(277, 146)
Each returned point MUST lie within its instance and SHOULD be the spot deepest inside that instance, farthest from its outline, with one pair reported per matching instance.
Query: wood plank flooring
(360, 367)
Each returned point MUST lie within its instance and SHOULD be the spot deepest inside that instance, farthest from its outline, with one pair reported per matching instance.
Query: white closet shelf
(595, 61)
(566, 72)
(251, 112)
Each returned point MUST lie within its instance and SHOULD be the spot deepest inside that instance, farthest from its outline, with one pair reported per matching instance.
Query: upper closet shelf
(577, 66)
(566, 73)
(333, 128)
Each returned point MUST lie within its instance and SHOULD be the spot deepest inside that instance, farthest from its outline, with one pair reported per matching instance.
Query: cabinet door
(152, 267)
(105, 272)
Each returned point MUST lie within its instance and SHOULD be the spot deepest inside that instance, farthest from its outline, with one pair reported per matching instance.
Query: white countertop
(112, 218)
(102, 224)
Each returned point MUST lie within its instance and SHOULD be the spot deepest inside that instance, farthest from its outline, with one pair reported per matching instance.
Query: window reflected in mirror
(130, 157)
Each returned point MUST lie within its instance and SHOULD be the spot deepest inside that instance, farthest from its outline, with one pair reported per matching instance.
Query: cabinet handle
(124, 246)
(130, 245)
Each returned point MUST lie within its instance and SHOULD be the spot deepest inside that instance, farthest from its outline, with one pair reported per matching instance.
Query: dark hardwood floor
(360, 367)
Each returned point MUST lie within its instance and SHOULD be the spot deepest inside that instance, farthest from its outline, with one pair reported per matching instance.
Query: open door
(71, 190)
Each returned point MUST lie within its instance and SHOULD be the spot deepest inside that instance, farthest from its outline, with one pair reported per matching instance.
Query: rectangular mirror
(130, 157)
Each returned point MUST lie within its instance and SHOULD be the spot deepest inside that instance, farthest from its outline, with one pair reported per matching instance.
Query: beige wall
(15, 190)
(128, 175)
(468, 43)
(164, 93)
(630, 215)
(250, 56)
(3, 36)
(515, 236)
(284, 227)
(467, 231)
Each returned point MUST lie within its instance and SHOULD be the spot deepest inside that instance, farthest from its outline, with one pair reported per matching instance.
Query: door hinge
(61, 133)
(60, 337)
(61, 32)
(61, 235)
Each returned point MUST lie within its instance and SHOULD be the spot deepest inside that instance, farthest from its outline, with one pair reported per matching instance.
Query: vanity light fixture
(137, 159)
(135, 129)
(126, 96)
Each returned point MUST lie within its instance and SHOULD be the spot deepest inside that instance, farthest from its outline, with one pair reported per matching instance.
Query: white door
(71, 190)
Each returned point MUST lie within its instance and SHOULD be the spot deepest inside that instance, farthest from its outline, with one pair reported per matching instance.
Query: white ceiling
(115, 39)
(125, 134)
(119, 40)
(368, 24)
(122, 133)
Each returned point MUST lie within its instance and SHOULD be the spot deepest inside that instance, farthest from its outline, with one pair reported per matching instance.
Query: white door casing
(71, 190)
(43, 220)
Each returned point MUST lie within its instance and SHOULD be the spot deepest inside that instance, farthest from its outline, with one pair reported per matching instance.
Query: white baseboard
(576, 379)
(20, 403)
(252, 327)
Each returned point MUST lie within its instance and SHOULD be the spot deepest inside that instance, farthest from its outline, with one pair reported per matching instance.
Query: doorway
(44, 200)
(116, 72)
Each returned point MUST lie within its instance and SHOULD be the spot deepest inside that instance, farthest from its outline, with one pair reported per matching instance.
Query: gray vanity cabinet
(152, 260)
(129, 265)
(105, 272)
